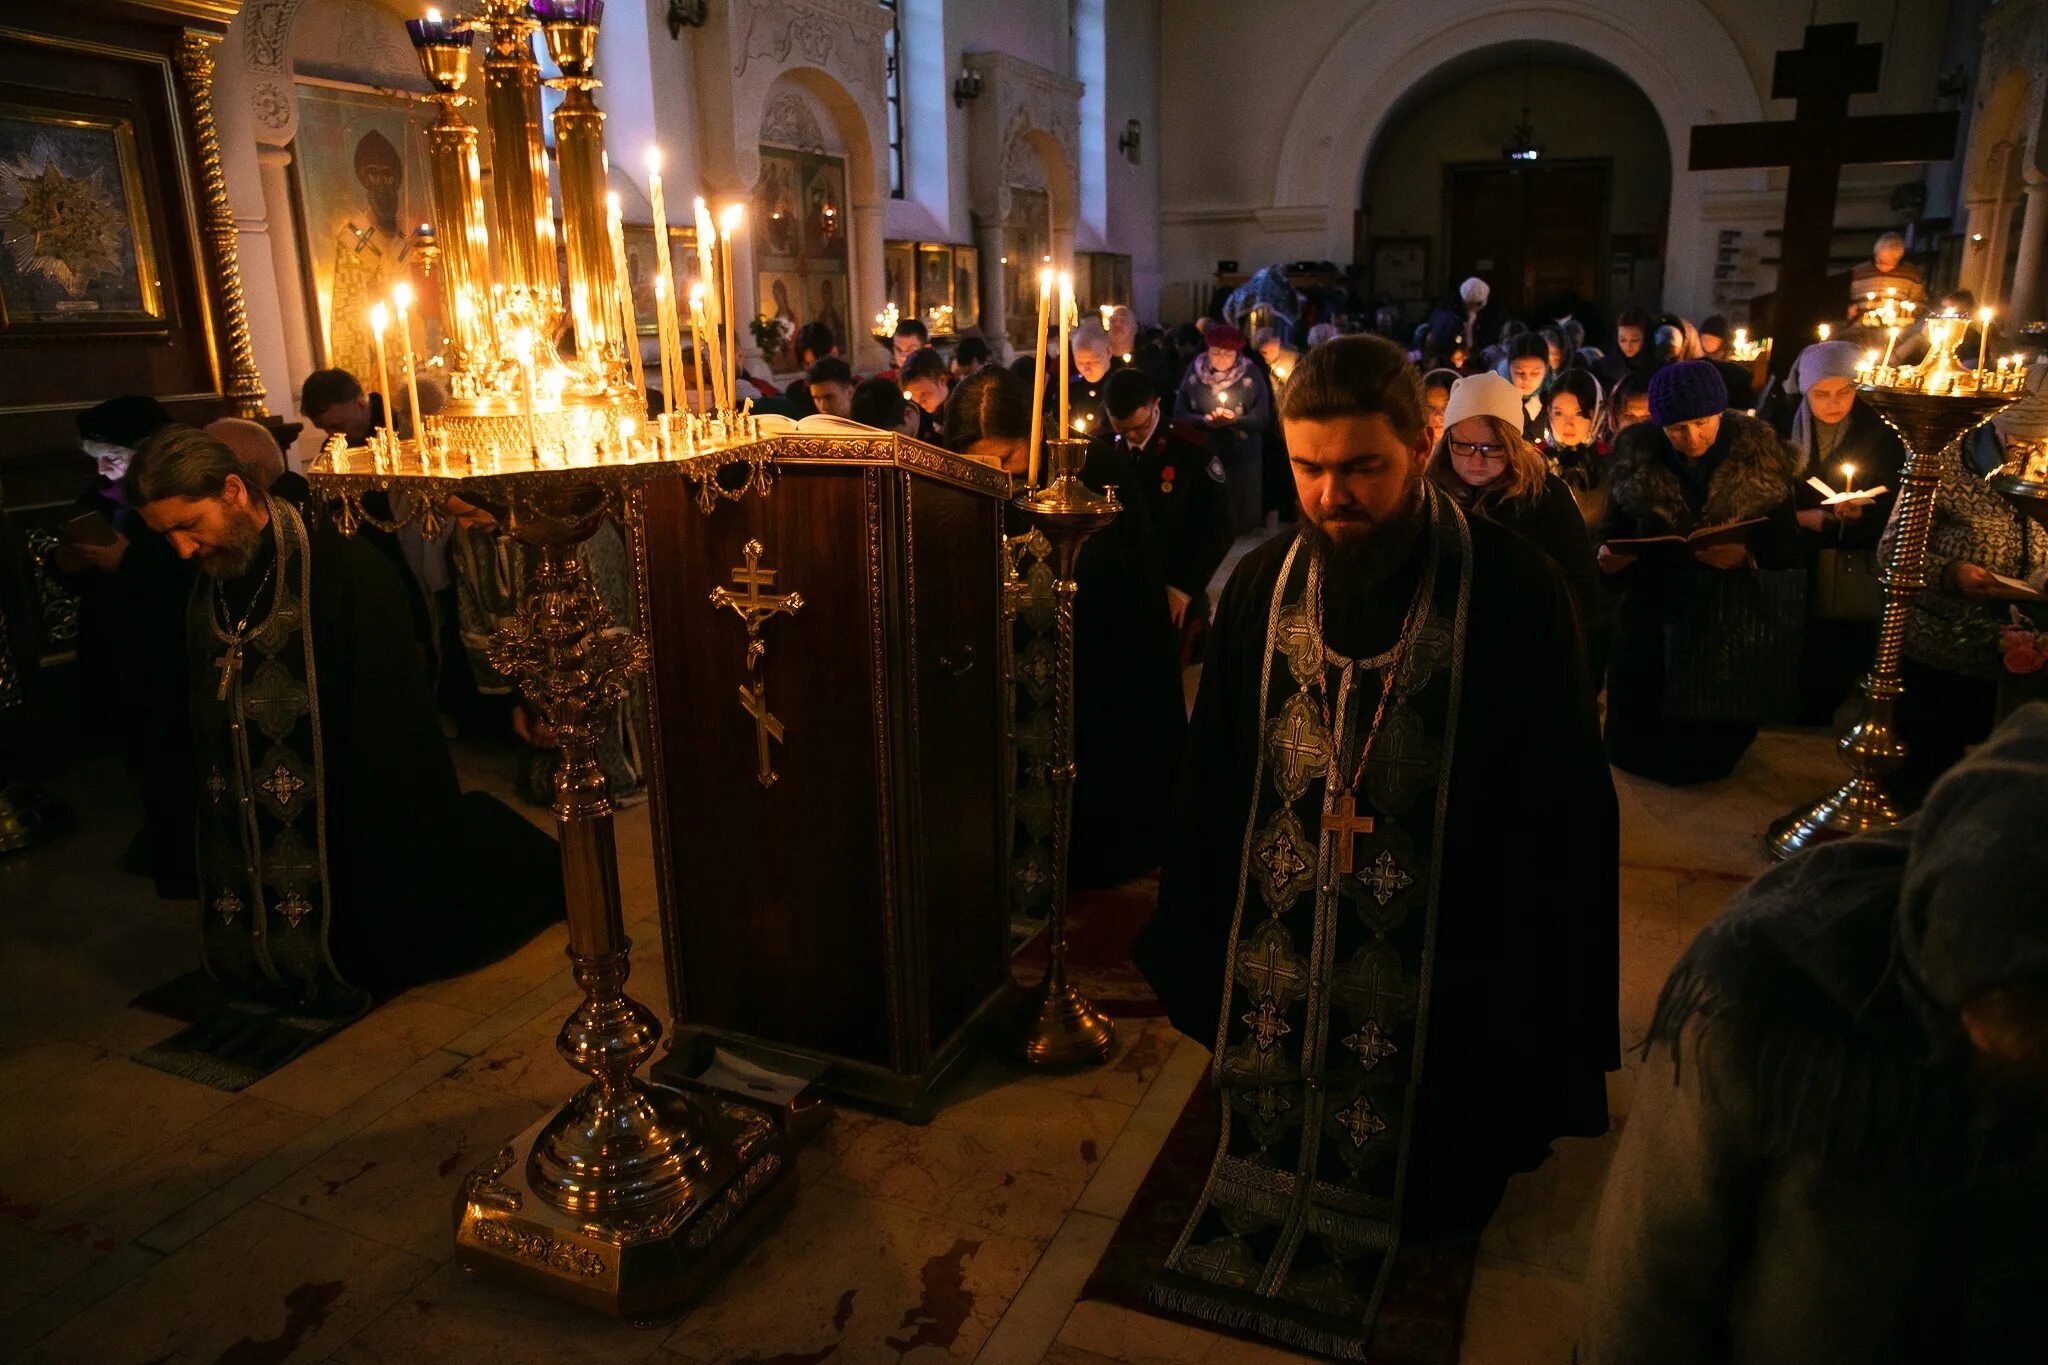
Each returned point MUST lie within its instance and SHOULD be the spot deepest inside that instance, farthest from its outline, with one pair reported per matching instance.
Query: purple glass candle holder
(436, 32)
(568, 11)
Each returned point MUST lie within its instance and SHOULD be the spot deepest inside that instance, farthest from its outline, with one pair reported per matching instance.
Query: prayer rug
(227, 1043)
(1101, 926)
(1421, 1320)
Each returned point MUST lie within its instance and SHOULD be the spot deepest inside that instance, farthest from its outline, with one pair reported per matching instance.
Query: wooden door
(1533, 233)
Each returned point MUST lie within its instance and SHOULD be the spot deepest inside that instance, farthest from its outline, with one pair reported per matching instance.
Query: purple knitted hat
(1686, 392)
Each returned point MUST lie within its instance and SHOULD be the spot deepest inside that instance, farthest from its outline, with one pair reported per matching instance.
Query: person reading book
(1701, 547)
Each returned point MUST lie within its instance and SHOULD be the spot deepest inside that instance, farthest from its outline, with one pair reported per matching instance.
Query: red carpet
(1100, 928)
(1421, 1320)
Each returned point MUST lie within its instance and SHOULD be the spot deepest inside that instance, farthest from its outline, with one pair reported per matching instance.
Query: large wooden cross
(1820, 140)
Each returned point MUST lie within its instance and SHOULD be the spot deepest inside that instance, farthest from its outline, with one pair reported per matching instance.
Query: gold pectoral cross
(767, 729)
(1347, 824)
(229, 663)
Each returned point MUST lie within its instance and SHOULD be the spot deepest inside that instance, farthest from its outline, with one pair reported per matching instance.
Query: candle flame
(729, 219)
(1045, 278)
(653, 159)
(379, 317)
(1984, 315)
(433, 16)
(523, 339)
(1824, 331)
(402, 296)
(611, 203)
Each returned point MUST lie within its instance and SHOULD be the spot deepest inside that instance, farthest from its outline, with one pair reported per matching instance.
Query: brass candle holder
(1931, 411)
(1060, 1027)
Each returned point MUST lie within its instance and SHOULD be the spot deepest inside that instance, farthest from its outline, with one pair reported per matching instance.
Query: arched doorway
(1575, 223)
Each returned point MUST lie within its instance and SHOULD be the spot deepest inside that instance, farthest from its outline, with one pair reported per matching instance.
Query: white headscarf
(1822, 360)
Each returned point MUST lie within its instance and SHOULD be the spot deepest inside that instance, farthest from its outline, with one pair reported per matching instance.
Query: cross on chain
(754, 701)
(229, 664)
(1347, 825)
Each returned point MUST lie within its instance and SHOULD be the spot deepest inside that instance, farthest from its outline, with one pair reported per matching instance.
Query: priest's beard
(240, 544)
(1376, 548)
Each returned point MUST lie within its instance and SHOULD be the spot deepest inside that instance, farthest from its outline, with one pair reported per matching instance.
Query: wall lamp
(967, 86)
(1132, 141)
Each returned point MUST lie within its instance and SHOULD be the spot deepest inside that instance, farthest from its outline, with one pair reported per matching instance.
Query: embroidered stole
(263, 883)
(1327, 998)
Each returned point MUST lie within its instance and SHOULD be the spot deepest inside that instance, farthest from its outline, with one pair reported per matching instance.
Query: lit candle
(1823, 331)
(524, 341)
(1891, 340)
(1106, 310)
(380, 318)
(1983, 333)
(728, 222)
(1035, 455)
(1848, 478)
(661, 312)
(1741, 337)
(697, 330)
(402, 297)
(1066, 359)
(706, 273)
(616, 227)
(665, 325)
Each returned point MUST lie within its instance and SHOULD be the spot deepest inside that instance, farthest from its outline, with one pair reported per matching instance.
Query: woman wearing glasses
(1483, 462)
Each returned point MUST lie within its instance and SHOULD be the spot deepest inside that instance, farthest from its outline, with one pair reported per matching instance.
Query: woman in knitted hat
(1706, 633)
(1482, 461)
(1953, 668)
(1846, 445)
(1224, 391)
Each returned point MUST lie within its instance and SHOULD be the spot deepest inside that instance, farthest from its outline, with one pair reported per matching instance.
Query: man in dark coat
(132, 589)
(1181, 483)
(1706, 636)
(1838, 1150)
(338, 858)
(1394, 824)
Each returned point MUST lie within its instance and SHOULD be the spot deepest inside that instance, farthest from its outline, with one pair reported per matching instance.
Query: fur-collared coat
(1645, 498)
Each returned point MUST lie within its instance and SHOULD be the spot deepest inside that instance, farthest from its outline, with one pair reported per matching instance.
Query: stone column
(866, 293)
(2025, 304)
(287, 268)
(988, 237)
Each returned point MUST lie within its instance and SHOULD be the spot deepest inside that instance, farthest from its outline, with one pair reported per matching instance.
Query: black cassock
(1523, 1001)
(338, 854)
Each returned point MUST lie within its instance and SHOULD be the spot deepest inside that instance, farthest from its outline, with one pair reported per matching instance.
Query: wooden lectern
(827, 717)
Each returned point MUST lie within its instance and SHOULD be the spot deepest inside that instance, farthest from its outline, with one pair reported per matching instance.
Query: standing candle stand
(633, 1195)
(1931, 406)
(1060, 1027)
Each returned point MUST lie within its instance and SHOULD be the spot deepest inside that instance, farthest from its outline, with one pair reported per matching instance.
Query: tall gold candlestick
(380, 318)
(402, 298)
(1036, 455)
(616, 227)
(728, 221)
(707, 273)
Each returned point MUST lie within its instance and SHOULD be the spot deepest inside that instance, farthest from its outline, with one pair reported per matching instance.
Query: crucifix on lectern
(756, 607)
(1820, 140)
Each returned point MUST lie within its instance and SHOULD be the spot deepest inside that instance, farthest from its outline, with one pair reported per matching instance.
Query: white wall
(1132, 92)
(1263, 159)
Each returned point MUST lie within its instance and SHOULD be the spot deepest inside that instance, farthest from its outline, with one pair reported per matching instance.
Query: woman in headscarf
(1481, 460)
(1631, 354)
(1951, 669)
(1573, 446)
(1224, 391)
(1527, 367)
(1845, 444)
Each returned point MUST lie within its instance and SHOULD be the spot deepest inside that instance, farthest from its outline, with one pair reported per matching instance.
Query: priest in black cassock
(338, 858)
(1391, 907)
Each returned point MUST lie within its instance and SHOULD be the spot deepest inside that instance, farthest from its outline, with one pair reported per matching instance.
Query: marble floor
(144, 1218)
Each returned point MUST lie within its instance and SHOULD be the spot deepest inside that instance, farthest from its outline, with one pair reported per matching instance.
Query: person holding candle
(1088, 385)
(1888, 275)
(1224, 390)
(1951, 669)
(1843, 441)
(926, 383)
(1702, 632)
(1574, 447)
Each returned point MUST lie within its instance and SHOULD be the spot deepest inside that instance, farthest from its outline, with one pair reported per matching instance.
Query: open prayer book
(1830, 498)
(818, 423)
(1727, 533)
(2015, 588)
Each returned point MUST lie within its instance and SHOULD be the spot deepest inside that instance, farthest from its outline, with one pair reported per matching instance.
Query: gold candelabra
(1931, 406)
(630, 1197)
(1060, 1026)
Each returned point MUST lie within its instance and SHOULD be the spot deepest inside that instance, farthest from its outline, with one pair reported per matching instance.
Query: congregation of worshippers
(1396, 594)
